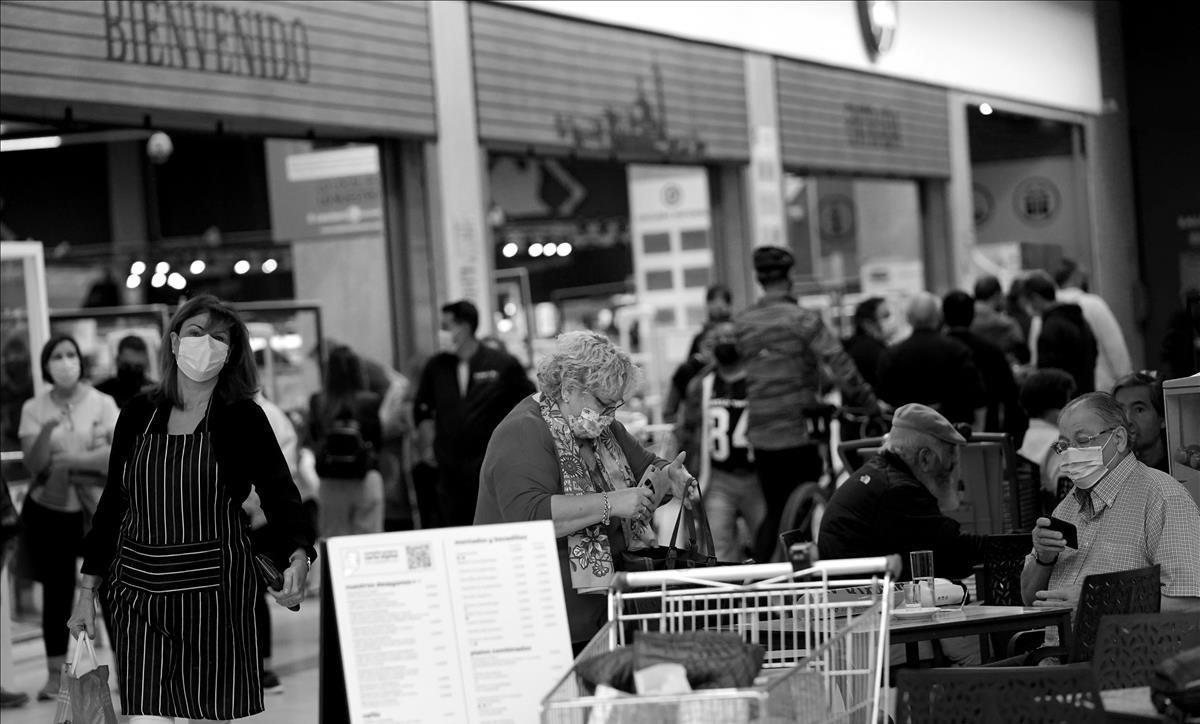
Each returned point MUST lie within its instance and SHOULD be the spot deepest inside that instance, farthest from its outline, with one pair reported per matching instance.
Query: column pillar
(458, 185)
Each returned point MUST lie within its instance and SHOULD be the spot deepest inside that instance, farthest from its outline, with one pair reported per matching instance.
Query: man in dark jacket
(1065, 340)
(999, 388)
(993, 325)
(464, 394)
(785, 348)
(894, 503)
(930, 368)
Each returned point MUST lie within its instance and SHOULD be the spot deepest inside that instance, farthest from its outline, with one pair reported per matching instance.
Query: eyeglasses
(1061, 446)
(611, 409)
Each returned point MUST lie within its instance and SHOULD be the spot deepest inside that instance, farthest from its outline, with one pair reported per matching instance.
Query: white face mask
(64, 371)
(1085, 465)
(201, 358)
(446, 341)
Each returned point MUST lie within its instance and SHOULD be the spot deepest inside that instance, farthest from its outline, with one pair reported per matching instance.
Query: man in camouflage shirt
(784, 348)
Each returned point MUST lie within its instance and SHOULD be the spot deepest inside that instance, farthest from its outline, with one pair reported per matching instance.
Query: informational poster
(450, 625)
(324, 194)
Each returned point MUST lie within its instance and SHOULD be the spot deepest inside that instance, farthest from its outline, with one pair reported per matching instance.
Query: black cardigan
(247, 452)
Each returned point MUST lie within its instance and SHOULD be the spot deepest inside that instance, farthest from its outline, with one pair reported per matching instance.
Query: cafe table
(982, 621)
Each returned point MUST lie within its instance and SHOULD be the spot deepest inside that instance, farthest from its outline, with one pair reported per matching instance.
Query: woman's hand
(83, 616)
(632, 503)
(683, 484)
(294, 580)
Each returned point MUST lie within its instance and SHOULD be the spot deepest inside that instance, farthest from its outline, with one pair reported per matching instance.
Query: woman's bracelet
(295, 556)
(607, 508)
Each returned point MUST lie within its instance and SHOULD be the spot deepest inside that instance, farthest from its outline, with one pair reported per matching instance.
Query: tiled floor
(295, 661)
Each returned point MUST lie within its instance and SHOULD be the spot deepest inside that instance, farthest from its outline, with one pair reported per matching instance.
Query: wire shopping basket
(824, 635)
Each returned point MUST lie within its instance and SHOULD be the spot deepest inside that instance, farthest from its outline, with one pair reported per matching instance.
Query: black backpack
(344, 452)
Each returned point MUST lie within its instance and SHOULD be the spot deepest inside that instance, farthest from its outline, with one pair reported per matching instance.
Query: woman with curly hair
(560, 455)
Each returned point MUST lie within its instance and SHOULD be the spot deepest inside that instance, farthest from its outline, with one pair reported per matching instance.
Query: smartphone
(270, 574)
(1070, 533)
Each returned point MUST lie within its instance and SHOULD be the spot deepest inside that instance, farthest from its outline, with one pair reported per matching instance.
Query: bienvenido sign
(207, 37)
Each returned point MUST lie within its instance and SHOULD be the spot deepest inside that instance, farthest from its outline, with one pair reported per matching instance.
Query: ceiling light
(138, 267)
(985, 109)
(36, 143)
(198, 266)
(535, 249)
(565, 248)
(269, 266)
(241, 267)
(162, 267)
(158, 280)
(176, 281)
(550, 249)
(510, 250)
(133, 281)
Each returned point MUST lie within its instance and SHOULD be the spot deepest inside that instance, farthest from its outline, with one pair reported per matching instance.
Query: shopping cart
(824, 634)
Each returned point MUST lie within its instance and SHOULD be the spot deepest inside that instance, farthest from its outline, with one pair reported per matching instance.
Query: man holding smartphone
(1125, 515)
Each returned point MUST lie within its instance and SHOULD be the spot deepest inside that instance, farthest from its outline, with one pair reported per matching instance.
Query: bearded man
(894, 503)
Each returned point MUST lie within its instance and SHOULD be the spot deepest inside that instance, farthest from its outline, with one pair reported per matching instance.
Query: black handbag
(703, 553)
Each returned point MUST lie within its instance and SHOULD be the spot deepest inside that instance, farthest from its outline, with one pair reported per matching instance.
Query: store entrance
(854, 238)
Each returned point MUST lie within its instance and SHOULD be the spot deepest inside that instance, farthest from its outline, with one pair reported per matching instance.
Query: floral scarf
(588, 549)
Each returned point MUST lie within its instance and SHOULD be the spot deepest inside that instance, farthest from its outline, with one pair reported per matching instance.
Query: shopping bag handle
(81, 641)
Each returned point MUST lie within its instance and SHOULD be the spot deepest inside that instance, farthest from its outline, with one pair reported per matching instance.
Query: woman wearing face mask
(169, 541)
(65, 435)
(560, 455)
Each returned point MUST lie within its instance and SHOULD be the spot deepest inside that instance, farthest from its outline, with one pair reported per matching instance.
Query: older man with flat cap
(784, 348)
(894, 503)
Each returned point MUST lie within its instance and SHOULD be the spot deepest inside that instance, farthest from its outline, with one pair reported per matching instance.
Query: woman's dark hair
(48, 349)
(344, 379)
(865, 312)
(1048, 389)
(238, 379)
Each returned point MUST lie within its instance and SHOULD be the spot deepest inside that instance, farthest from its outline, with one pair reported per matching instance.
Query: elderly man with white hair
(931, 368)
(894, 503)
(1127, 515)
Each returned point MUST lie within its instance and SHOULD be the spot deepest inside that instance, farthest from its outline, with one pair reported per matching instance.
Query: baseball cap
(920, 418)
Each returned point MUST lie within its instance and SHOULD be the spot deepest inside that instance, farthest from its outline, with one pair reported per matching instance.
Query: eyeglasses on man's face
(1061, 446)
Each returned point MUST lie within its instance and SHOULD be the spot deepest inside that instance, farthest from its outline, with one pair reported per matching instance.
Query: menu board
(450, 625)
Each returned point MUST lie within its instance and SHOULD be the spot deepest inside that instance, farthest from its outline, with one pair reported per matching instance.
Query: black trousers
(780, 472)
(458, 489)
(54, 540)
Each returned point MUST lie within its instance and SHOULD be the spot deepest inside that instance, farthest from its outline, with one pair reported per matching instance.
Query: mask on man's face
(726, 353)
(446, 341)
(1085, 465)
(131, 372)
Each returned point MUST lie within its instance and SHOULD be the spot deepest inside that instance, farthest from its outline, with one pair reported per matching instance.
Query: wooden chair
(1137, 591)
(1130, 647)
(997, 695)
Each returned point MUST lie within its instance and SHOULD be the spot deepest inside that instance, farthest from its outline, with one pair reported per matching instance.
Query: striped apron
(182, 585)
